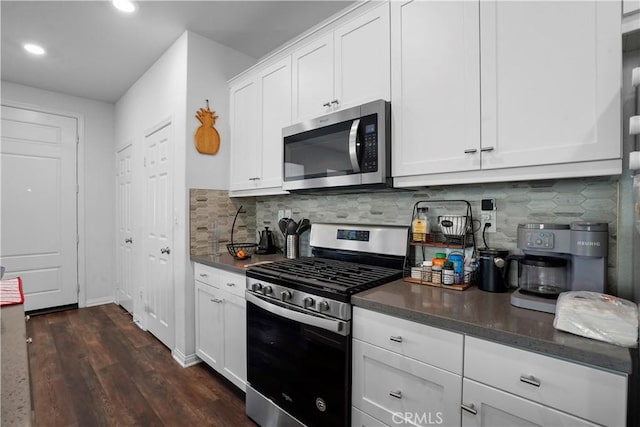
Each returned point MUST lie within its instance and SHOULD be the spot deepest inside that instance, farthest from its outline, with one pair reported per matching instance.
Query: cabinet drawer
(434, 346)
(205, 274)
(396, 389)
(360, 419)
(233, 283)
(586, 392)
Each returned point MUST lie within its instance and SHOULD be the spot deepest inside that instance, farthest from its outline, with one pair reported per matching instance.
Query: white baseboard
(99, 301)
(185, 361)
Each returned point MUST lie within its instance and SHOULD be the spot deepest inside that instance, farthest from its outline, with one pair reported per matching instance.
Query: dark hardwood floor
(94, 367)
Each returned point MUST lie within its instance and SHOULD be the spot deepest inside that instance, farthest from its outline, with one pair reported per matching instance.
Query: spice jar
(426, 270)
(448, 274)
(436, 274)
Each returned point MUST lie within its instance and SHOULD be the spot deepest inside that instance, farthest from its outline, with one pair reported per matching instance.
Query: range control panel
(539, 239)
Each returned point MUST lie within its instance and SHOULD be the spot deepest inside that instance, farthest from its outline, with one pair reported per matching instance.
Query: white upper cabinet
(495, 90)
(261, 107)
(244, 134)
(344, 68)
(550, 82)
(436, 87)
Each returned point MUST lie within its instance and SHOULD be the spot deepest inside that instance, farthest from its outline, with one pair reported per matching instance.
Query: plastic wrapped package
(598, 316)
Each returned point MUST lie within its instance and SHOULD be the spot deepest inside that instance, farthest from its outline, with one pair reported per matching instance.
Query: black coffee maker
(493, 270)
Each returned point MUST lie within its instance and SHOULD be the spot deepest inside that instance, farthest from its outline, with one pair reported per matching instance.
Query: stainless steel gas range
(299, 323)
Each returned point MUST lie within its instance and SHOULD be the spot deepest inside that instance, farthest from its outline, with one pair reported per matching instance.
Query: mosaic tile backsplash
(209, 207)
(555, 201)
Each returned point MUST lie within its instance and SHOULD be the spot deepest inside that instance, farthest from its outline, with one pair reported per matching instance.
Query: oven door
(300, 361)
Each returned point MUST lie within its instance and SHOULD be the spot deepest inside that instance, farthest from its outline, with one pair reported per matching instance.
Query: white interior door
(124, 220)
(158, 234)
(39, 234)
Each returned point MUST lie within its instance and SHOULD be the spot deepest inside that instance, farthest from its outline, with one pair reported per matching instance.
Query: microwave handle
(353, 152)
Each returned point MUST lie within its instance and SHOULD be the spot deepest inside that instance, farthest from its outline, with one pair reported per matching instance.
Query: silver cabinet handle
(326, 104)
(255, 178)
(27, 318)
(469, 408)
(29, 340)
(530, 380)
(204, 275)
(165, 250)
(231, 284)
(485, 149)
(470, 151)
(396, 339)
(335, 101)
(396, 394)
(216, 300)
(128, 240)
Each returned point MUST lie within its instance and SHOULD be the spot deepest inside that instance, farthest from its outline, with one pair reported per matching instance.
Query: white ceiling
(97, 52)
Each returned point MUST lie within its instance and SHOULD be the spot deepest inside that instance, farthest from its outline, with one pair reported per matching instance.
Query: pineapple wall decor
(207, 138)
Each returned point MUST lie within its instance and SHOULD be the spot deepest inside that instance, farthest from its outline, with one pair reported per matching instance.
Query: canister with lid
(448, 274)
(458, 265)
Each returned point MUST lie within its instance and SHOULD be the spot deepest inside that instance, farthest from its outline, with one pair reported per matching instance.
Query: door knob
(165, 250)
(128, 240)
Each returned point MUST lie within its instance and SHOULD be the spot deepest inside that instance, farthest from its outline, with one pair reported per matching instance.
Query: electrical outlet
(281, 214)
(488, 215)
(287, 213)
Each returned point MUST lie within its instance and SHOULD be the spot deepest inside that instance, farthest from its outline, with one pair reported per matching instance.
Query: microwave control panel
(369, 162)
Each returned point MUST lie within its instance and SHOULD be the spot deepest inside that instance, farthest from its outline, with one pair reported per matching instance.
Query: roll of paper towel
(634, 160)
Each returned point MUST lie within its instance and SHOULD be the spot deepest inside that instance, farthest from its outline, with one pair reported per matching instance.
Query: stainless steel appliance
(299, 323)
(350, 147)
(559, 257)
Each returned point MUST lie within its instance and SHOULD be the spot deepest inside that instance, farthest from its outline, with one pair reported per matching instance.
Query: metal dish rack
(452, 232)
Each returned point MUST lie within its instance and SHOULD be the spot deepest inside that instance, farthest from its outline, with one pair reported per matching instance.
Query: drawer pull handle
(216, 300)
(530, 380)
(29, 340)
(470, 151)
(487, 149)
(231, 284)
(469, 408)
(396, 339)
(396, 394)
(204, 275)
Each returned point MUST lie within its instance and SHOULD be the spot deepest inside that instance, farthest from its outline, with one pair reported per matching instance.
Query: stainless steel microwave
(350, 147)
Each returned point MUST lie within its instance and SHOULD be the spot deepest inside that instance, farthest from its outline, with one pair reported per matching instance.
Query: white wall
(157, 96)
(98, 163)
(191, 70)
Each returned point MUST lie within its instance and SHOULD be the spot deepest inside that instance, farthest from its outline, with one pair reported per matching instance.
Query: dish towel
(11, 291)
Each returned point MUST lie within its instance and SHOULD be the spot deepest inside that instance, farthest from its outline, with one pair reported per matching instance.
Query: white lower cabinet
(402, 386)
(221, 322)
(492, 407)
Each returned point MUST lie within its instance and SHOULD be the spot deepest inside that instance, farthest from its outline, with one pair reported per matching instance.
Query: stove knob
(308, 302)
(266, 290)
(323, 306)
(285, 295)
(256, 287)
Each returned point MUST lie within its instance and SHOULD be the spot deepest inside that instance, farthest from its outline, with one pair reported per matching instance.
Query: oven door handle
(332, 325)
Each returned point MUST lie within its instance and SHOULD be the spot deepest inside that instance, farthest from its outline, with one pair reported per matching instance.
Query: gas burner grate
(340, 276)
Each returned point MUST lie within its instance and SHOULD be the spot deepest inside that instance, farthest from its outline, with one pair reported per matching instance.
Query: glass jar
(426, 270)
(436, 274)
(420, 225)
(448, 274)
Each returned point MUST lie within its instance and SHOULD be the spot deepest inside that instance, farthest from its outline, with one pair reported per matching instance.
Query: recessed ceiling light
(33, 49)
(124, 5)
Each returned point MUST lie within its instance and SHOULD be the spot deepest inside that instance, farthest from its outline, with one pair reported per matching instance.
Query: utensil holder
(292, 246)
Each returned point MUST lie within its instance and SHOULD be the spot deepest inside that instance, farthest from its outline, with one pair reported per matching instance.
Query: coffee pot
(266, 243)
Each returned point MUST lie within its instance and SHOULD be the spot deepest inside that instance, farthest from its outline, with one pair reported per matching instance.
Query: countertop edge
(502, 337)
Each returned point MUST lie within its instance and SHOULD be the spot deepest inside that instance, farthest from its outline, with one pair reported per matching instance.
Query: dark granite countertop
(229, 263)
(14, 363)
(492, 317)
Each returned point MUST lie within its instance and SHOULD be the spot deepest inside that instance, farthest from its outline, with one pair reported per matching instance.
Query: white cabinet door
(549, 94)
(493, 407)
(245, 161)
(394, 388)
(275, 113)
(209, 325)
(313, 82)
(234, 337)
(435, 87)
(362, 59)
